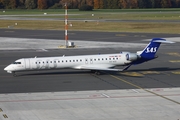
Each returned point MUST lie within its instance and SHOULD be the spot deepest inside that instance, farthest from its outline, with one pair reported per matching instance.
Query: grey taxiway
(149, 89)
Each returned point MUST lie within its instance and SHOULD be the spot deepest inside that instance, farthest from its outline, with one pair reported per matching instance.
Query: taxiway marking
(174, 61)
(174, 54)
(150, 72)
(133, 74)
(176, 72)
(125, 81)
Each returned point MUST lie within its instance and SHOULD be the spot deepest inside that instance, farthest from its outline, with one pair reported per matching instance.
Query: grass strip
(94, 26)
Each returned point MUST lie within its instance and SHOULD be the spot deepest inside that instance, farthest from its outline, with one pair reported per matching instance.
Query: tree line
(96, 4)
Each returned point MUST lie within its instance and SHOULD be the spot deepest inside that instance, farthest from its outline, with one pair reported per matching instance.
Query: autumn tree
(5, 4)
(111, 4)
(89, 2)
(13, 4)
(150, 4)
(30, 4)
(21, 4)
(145, 3)
(1, 5)
(50, 3)
(42, 4)
(165, 3)
(96, 4)
(124, 4)
(67, 2)
(133, 4)
(75, 4)
(157, 4)
(178, 3)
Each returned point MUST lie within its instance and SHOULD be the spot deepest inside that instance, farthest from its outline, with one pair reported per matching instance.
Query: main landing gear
(97, 72)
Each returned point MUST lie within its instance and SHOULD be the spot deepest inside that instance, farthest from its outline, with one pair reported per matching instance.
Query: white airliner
(96, 63)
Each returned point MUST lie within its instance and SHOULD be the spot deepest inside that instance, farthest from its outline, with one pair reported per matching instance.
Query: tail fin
(150, 50)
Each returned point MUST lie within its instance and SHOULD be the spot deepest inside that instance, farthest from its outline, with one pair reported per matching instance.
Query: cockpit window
(16, 62)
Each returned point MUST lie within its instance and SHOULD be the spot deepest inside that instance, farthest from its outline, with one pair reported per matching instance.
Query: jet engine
(131, 56)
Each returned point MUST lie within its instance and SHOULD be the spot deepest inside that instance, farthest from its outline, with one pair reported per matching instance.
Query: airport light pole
(66, 26)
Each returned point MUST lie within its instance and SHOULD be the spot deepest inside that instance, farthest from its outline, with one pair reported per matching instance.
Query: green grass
(117, 16)
(94, 26)
(113, 14)
(76, 11)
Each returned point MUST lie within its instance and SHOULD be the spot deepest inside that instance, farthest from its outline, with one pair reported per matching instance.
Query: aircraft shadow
(161, 69)
(81, 72)
(54, 73)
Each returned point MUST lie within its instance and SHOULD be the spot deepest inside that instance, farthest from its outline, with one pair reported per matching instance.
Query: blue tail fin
(150, 50)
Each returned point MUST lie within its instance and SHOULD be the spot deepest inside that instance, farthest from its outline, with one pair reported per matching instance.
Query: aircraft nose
(8, 68)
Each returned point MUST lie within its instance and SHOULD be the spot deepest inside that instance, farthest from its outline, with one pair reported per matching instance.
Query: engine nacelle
(131, 56)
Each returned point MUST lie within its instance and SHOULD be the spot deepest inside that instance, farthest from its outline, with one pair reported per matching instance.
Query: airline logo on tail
(150, 50)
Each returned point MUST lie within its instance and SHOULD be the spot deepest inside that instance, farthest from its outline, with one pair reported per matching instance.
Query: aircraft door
(27, 64)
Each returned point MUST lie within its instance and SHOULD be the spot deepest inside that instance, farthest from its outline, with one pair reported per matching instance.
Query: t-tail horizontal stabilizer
(150, 50)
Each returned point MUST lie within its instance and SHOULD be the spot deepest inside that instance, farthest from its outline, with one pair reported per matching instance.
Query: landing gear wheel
(97, 72)
(93, 71)
(14, 74)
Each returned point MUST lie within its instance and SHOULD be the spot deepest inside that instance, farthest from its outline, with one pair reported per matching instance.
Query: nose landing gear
(14, 74)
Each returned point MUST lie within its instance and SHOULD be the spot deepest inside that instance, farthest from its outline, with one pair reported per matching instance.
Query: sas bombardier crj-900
(96, 63)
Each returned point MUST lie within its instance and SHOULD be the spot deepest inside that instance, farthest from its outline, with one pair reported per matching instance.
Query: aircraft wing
(101, 68)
